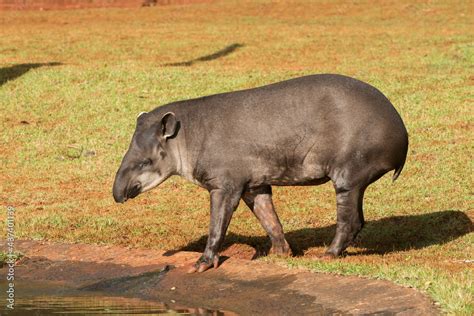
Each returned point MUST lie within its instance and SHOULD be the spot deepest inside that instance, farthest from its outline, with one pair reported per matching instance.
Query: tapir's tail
(398, 171)
(399, 168)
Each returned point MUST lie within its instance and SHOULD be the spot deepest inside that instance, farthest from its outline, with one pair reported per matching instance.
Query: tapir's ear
(169, 125)
(141, 117)
(141, 113)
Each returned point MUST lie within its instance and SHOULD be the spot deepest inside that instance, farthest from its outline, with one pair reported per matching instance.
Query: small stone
(173, 288)
(173, 301)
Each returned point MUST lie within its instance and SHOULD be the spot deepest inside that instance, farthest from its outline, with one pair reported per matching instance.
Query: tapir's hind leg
(350, 219)
(260, 203)
(350, 187)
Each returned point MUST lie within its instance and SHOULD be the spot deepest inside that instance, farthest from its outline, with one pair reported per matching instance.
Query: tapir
(236, 145)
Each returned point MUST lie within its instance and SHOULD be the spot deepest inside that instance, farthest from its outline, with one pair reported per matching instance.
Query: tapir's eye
(144, 163)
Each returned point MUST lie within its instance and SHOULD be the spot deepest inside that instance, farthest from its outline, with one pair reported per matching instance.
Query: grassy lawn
(72, 83)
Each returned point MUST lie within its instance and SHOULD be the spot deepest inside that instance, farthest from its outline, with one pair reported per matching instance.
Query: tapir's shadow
(15, 71)
(380, 236)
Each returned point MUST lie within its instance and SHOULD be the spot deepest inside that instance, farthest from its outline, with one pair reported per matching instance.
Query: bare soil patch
(238, 285)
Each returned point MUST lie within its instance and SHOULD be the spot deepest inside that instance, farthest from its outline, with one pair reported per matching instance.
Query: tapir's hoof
(201, 266)
(282, 251)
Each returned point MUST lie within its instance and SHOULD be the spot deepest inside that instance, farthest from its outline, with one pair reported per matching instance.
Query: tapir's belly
(288, 173)
(299, 181)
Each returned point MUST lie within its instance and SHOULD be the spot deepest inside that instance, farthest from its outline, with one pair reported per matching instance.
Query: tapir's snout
(119, 189)
(122, 191)
(119, 198)
(131, 193)
(118, 192)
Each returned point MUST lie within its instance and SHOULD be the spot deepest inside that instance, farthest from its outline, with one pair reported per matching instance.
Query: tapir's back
(306, 123)
(328, 106)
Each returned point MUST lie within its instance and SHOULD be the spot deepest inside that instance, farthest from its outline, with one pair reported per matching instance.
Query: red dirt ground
(238, 285)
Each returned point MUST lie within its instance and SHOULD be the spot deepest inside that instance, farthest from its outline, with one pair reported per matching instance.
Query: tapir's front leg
(223, 204)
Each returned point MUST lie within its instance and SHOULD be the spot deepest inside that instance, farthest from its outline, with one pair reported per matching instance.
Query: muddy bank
(239, 285)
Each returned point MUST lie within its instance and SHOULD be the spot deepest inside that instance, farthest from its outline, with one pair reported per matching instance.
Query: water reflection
(34, 299)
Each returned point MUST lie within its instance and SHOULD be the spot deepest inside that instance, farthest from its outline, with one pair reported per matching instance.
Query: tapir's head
(150, 159)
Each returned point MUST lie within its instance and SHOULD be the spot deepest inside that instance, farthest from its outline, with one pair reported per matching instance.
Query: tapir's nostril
(134, 191)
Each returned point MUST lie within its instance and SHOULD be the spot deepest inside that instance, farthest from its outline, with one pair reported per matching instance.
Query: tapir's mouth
(133, 191)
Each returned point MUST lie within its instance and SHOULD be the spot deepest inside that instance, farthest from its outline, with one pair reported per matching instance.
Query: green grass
(4, 257)
(113, 66)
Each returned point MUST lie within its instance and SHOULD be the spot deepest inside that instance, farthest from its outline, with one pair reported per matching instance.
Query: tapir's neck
(183, 165)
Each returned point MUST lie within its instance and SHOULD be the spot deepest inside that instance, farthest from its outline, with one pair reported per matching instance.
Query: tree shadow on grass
(221, 53)
(386, 235)
(15, 71)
